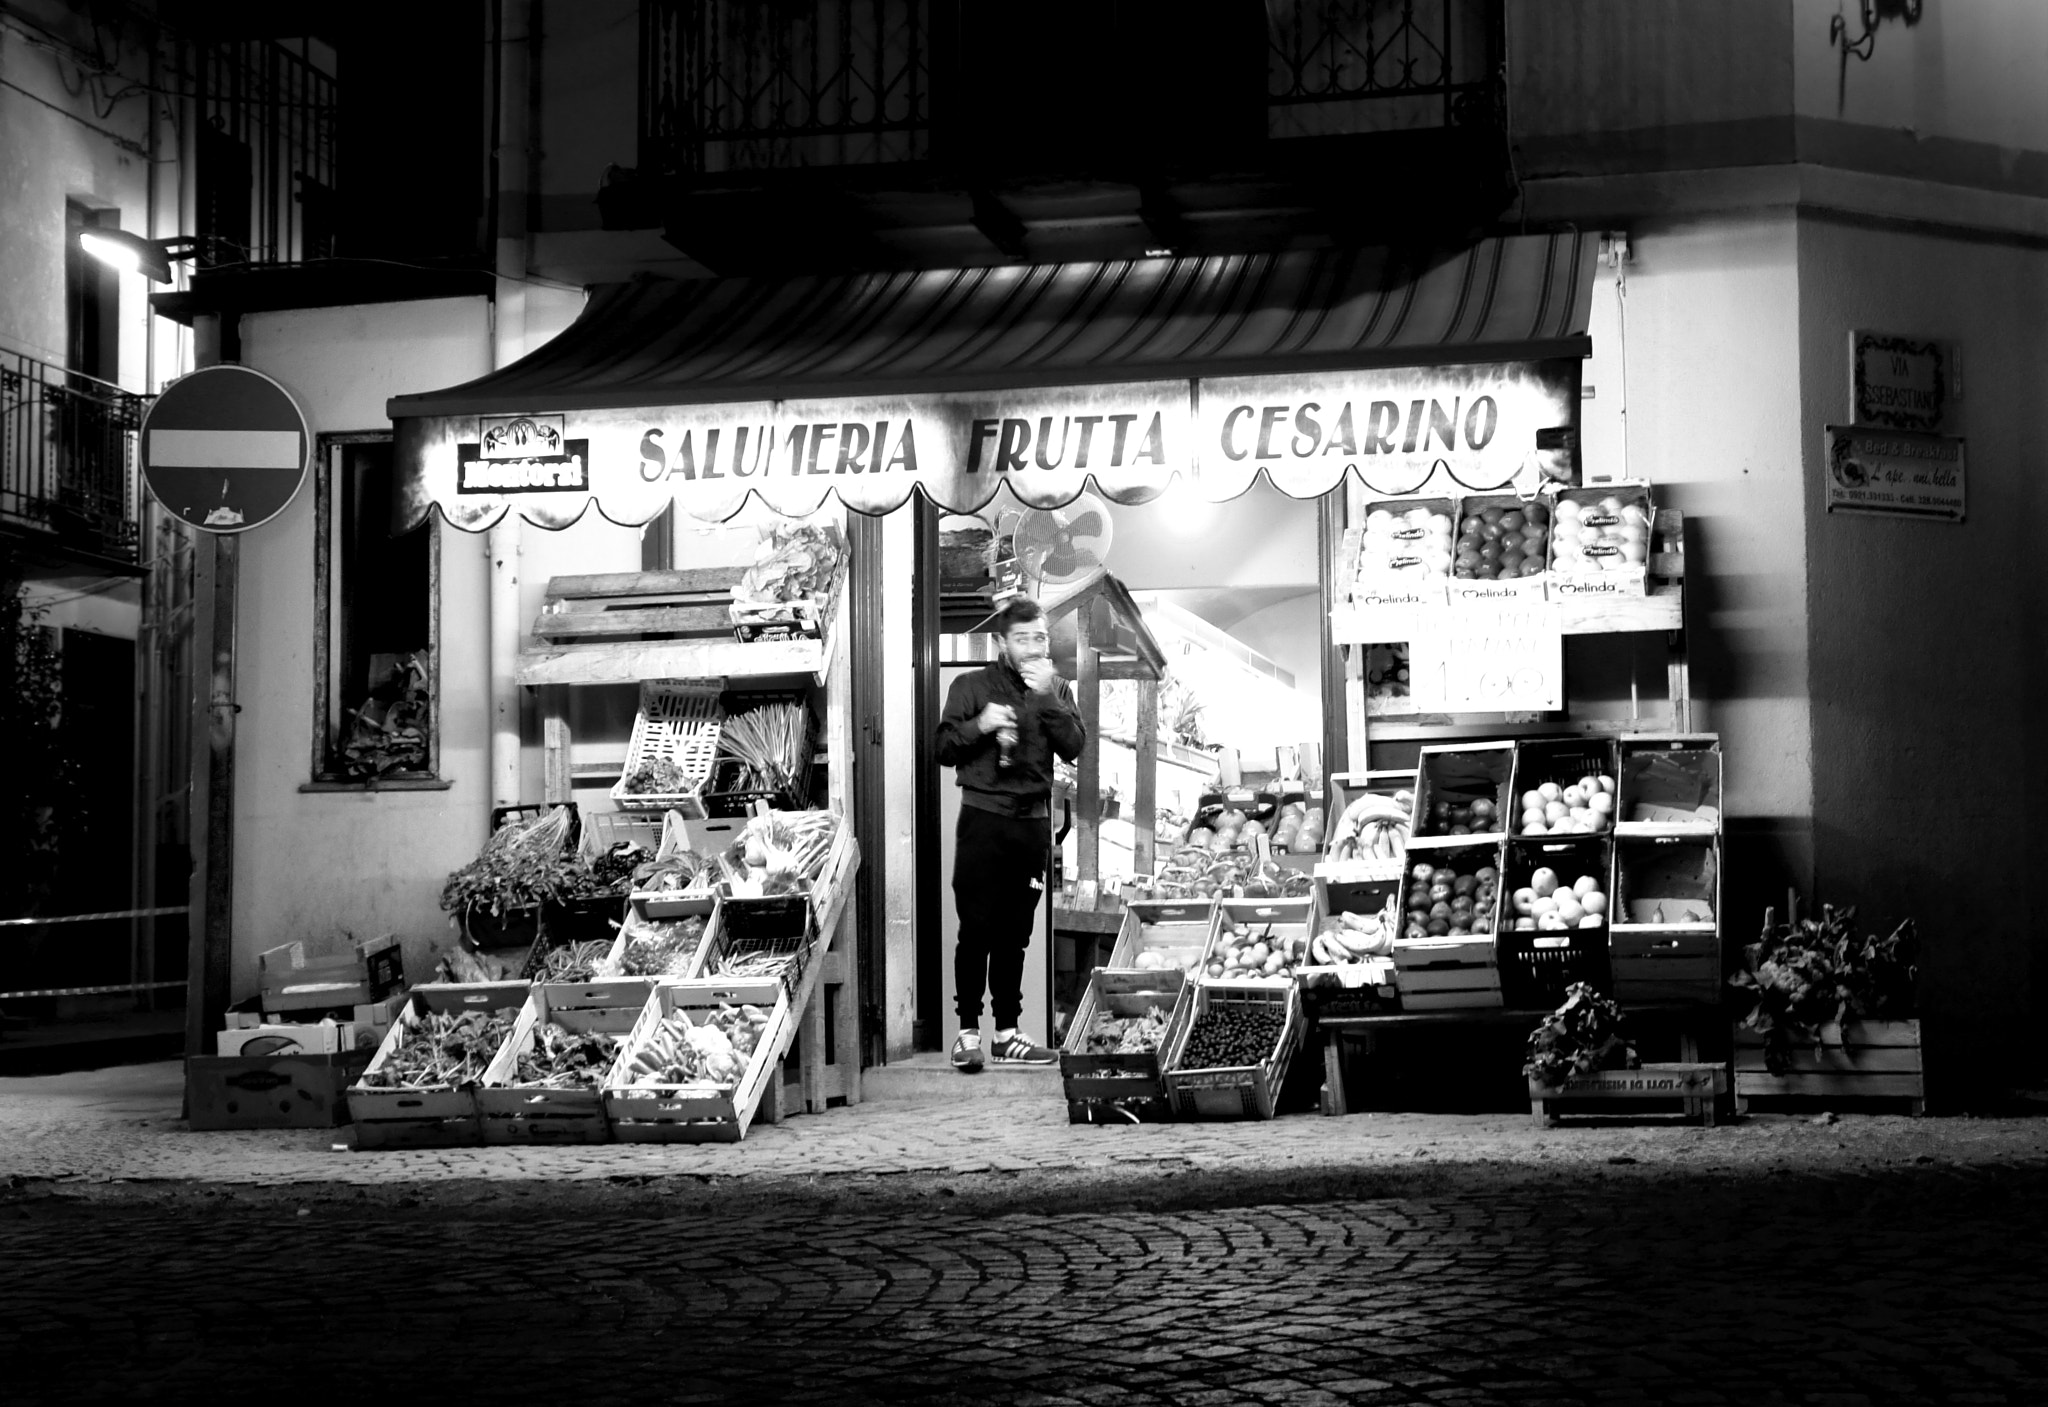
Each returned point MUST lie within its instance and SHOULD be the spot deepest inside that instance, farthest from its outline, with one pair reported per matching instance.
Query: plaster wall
(1696, 370)
(308, 865)
(1927, 645)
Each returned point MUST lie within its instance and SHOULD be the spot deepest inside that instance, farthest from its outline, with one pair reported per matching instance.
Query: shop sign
(1901, 382)
(1895, 472)
(1487, 658)
(1403, 430)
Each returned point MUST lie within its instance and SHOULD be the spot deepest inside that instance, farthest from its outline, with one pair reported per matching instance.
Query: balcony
(68, 461)
(845, 134)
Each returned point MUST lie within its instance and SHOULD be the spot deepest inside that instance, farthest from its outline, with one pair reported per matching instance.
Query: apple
(1584, 883)
(1550, 791)
(1543, 882)
(1525, 900)
(1532, 800)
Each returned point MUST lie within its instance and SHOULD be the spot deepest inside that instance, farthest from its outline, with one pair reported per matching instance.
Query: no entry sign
(224, 448)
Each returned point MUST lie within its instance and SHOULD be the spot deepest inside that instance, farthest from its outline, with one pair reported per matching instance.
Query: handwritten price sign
(1489, 659)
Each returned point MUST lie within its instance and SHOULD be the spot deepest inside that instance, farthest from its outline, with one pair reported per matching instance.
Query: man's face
(1026, 642)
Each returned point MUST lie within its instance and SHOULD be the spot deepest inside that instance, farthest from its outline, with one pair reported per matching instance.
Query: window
(377, 622)
(92, 298)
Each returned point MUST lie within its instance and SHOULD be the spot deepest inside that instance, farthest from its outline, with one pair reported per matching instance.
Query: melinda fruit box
(1600, 541)
(1404, 553)
(1500, 550)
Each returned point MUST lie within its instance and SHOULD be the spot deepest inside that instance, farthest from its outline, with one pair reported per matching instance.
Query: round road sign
(225, 448)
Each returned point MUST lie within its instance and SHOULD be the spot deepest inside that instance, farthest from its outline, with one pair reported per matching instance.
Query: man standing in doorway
(1002, 725)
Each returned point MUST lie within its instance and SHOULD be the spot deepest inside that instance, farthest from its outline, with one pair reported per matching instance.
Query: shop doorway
(1230, 596)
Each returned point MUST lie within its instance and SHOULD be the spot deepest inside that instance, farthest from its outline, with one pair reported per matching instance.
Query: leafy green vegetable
(1799, 977)
(1580, 1037)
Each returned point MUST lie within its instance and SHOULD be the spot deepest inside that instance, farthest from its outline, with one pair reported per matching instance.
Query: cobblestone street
(1623, 1284)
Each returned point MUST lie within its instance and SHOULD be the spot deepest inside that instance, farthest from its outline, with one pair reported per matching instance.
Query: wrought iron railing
(68, 455)
(738, 85)
(264, 155)
(1343, 66)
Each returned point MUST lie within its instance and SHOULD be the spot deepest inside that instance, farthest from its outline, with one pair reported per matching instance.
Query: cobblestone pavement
(122, 1126)
(1626, 1284)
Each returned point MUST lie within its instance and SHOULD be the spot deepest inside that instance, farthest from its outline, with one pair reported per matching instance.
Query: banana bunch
(1346, 938)
(1373, 827)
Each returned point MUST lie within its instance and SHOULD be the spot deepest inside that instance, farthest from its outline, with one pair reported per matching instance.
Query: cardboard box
(378, 1014)
(300, 1038)
(272, 1091)
(293, 978)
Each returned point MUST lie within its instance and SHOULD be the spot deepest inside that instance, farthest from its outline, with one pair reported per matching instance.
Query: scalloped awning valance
(1411, 370)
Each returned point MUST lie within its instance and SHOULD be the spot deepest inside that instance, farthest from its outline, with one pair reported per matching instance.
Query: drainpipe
(511, 159)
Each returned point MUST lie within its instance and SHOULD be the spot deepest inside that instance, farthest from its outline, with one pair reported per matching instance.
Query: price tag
(1482, 658)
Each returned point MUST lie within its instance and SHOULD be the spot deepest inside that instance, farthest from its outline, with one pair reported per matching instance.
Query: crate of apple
(1584, 807)
(1443, 902)
(1466, 816)
(1498, 541)
(1414, 540)
(1547, 905)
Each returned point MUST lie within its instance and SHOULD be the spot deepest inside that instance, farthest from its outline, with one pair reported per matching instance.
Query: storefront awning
(1125, 375)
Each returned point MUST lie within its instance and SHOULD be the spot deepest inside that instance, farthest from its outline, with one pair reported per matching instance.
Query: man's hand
(995, 717)
(1040, 677)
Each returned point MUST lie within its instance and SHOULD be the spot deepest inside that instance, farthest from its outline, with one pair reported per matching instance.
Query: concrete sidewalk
(120, 1128)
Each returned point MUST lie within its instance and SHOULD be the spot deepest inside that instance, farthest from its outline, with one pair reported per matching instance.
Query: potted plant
(1828, 1012)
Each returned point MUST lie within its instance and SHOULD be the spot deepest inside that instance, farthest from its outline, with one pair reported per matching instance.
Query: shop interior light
(136, 255)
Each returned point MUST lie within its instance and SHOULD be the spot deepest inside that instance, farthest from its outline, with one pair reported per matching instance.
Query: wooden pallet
(1857, 1060)
(690, 604)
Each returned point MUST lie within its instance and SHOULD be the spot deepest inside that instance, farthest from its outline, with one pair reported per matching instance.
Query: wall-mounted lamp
(1872, 13)
(136, 255)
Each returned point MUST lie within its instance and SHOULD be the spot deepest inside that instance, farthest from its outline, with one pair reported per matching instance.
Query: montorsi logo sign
(568, 471)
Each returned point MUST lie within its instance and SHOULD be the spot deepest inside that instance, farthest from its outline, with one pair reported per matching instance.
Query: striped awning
(1301, 365)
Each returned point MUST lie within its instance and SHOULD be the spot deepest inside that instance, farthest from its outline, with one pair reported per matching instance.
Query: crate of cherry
(1462, 792)
(1554, 924)
(1227, 1058)
(1564, 786)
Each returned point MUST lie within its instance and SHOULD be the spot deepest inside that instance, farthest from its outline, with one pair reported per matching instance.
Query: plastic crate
(1562, 762)
(1249, 1091)
(1537, 966)
(731, 789)
(604, 830)
(777, 925)
(678, 722)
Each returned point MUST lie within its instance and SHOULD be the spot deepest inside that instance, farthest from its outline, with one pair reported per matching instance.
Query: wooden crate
(1109, 1087)
(1670, 784)
(1665, 942)
(1696, 1085)
(1856, 1060)
(1446, 974)
(514, 1113)
(1271, 918)
(698, 1113)
(1250, 1091)
(1162, 926)
(1453, 772)
(659, 908)
(441, 1117)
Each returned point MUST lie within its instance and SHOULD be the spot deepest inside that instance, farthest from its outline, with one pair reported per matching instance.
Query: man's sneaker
(1020, 1049)
(967, 1052)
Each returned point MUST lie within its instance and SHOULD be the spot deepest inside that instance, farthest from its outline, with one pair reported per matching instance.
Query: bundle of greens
(657, 777)
(660, 949)
(563, 1059)
(574, 962)
(1579, 1038)
(1801, 976)
(523, 864)
(1127, 1035)
(442, 1050)
(771, 743)
(796, 563)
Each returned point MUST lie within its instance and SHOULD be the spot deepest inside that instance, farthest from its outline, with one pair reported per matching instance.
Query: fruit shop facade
(1703, 379)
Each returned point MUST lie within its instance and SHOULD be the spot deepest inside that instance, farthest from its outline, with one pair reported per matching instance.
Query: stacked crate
(1666, 936)
(1538, 965)
(1445, 969)
(1158, 950)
